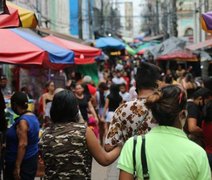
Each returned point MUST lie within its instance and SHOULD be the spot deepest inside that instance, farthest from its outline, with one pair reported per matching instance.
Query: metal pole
(157, 16)
(200, 29)
(80, 18)
(195, 24)
(90, 23)
(102, 17)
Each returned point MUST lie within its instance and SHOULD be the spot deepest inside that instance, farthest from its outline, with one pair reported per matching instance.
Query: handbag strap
(144, 160)
(134, 154)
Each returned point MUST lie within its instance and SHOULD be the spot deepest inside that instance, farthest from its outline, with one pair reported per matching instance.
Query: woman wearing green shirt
(170, 154)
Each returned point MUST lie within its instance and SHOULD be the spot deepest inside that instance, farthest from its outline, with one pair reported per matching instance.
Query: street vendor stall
(19, 47)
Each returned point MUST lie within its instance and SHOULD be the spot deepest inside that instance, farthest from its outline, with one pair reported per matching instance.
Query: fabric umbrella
(83, 54)
(144, 46)
(172, 44)
(130, 50)
(16, 16)
(22, 48)
(180, 55)
(206, 21)
(109, 42)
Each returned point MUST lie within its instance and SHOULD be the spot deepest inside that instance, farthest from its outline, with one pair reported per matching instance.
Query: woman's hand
(16, 173)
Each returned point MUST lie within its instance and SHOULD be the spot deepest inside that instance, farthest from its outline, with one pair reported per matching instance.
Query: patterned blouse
(129, 119)
(65, 152)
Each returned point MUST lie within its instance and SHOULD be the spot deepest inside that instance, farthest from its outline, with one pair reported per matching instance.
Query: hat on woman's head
(20, 99)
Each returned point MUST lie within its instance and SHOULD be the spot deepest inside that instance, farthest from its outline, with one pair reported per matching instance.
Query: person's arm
(125, 163)
(123, 175)
(22, 130)
(44, 102)
(92, 110)
(105, 107)
(193, 128)
(99, 154)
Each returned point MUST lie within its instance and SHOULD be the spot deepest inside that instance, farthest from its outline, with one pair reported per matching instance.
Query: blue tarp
(109, 42)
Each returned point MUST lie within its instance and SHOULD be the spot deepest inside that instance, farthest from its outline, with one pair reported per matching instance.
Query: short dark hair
(20, 99)
(147, 76)
(64, 107)
(167, 104)
(201, 92)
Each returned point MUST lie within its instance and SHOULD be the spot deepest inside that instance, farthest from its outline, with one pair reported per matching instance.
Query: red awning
(10, 18)
(179, 55)
(200, 45)
(16, 50)
(16, 16)
(22, 48)
(83, 54)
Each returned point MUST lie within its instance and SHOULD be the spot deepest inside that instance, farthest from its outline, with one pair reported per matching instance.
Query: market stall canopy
(206, 21)
(179, 55)
(171, 45)
(109, 42)
(200, 45)
(146, 45)
(22, 48)
(130, 50)
(16, 16)
(83, 54)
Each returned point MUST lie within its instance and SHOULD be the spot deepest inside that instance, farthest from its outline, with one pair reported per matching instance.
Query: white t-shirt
(118, 80)
(125, 96)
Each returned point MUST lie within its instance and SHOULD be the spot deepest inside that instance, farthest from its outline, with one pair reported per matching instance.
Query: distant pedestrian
(133, 117)
(113, 100)
(123, 93)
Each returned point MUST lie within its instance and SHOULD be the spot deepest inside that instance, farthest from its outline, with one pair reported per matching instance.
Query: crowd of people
(159, 123)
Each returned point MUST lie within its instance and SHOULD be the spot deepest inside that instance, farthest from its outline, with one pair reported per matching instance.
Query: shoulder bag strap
(144, 160)
(134, 155)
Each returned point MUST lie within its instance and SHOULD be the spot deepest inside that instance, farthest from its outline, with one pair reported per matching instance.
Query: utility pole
(2, 6)
(173, 19)
(200, 29)
(157, 17)
(80, 19)
(164, 19)
(102, 17)
(90, 20)
(206, 10)
(195, 24)
(38, 10)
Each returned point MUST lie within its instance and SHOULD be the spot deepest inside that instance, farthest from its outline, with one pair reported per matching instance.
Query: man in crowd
(195, 114)
(133, 117)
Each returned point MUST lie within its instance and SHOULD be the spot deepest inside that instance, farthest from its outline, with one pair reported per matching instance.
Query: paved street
(104, 173)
